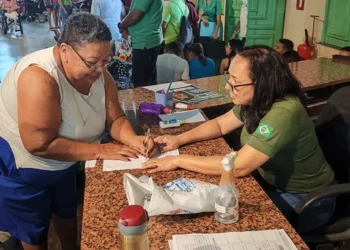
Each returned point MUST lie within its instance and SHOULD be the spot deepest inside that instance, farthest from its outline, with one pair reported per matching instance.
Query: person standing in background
(210, 11)
(66, 8)
(173, 12)
(110, 12)
(55, 13)
(193, 18)
(127, 4)
(52, 7)
(144, 25)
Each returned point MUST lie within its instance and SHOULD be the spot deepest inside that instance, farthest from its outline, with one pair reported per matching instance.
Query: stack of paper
(252, 240)
(190, 116)
(164, 86)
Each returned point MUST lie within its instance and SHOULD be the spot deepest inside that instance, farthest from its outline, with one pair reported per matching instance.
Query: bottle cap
(228, 160)
(167, 110)
(133, 215)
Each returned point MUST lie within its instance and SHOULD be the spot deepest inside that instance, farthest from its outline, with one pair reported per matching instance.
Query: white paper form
(164, 86)
(252, 240)
(114, 165)
(90, 164)
(189, 116)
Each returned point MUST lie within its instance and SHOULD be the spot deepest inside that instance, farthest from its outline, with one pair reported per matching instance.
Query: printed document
(250, 240)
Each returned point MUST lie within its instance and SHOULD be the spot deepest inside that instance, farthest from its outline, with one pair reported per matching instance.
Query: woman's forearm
(210, 165)
(63, 149)
(206, 131)
(122, 131)
(217, 27)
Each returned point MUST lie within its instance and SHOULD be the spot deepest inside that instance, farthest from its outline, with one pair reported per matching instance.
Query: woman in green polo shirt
(278, 137)
(210, 11)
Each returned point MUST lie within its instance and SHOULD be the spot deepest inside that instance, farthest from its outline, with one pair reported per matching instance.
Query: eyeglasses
(92, 66)
(235, 86)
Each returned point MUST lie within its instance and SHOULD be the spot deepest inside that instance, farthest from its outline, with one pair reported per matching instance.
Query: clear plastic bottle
(226, 197)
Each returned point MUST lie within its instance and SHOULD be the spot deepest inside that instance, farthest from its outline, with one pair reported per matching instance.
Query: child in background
(10, 6)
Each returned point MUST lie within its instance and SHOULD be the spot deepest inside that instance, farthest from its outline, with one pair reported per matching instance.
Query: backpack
(186, 33)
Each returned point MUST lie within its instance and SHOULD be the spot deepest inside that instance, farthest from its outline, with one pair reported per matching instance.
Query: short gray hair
(83, 28)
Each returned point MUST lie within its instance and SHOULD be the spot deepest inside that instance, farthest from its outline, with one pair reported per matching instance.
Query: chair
(333, 131)
(6, 22)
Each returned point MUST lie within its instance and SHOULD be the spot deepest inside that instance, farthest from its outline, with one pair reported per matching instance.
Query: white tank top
(83, 116)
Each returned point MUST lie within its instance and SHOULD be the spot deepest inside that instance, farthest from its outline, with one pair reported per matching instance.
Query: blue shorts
(28, 197)
(55, 6)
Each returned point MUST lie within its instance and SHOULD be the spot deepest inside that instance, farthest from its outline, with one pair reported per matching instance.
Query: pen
(168, 87)
(147, 140)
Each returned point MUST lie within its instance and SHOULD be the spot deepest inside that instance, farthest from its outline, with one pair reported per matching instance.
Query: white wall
(297, 20)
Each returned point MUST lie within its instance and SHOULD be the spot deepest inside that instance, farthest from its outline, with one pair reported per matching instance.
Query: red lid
(133, 215)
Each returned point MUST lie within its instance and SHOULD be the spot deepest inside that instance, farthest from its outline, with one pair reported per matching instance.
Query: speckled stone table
(319, 73)
(105, 197)
(313, 74)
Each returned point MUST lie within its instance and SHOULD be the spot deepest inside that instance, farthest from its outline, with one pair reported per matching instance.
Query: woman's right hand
(168, 142)
(111, 151)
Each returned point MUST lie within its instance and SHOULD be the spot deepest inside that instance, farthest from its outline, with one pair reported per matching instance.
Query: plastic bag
(181, 196)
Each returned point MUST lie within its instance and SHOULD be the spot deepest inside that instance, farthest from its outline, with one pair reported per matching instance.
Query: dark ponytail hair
(236, 46)
(198, 51)
(273, 80)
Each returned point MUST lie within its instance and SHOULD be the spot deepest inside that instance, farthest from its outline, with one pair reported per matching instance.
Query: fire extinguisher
(304, 49)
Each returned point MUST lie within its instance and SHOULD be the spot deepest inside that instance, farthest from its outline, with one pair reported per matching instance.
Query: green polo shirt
(147, 32)
(173, 12)
(286, 134)
(210, 10)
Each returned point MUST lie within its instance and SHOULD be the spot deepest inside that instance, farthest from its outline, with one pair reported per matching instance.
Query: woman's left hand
(140, 142)
(167, 163)
(215, 36)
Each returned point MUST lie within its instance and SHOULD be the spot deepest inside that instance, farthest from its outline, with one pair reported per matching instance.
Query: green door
(265, 21)
(233, 9)
(336, 29)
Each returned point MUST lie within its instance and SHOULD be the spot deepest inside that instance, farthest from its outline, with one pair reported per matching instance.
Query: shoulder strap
(179, 7)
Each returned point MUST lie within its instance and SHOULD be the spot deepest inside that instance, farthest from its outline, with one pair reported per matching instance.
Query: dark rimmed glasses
(92, 66)
(234, 87)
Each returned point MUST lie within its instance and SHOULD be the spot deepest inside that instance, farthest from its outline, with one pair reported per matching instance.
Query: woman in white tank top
(54, 106)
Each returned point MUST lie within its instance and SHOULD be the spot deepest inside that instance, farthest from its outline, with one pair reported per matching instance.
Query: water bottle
(151, 108)
(226, 197)
(132, 224)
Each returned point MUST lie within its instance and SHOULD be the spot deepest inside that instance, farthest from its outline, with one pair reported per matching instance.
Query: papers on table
(90, 164)
(252, 240)
(186, 93)
(190, 116)
(114, 165)
(164, 86)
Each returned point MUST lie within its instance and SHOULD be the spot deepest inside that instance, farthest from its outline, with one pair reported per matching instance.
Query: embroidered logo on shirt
(264, 130)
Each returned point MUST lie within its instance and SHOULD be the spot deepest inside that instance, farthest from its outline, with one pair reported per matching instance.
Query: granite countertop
(312, 74)
(105, 197)
(320, 72)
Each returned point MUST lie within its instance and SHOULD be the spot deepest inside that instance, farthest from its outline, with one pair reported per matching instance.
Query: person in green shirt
(278, 138)
(143, 23)
(210, 11)
(66, 9)
(173, 12)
